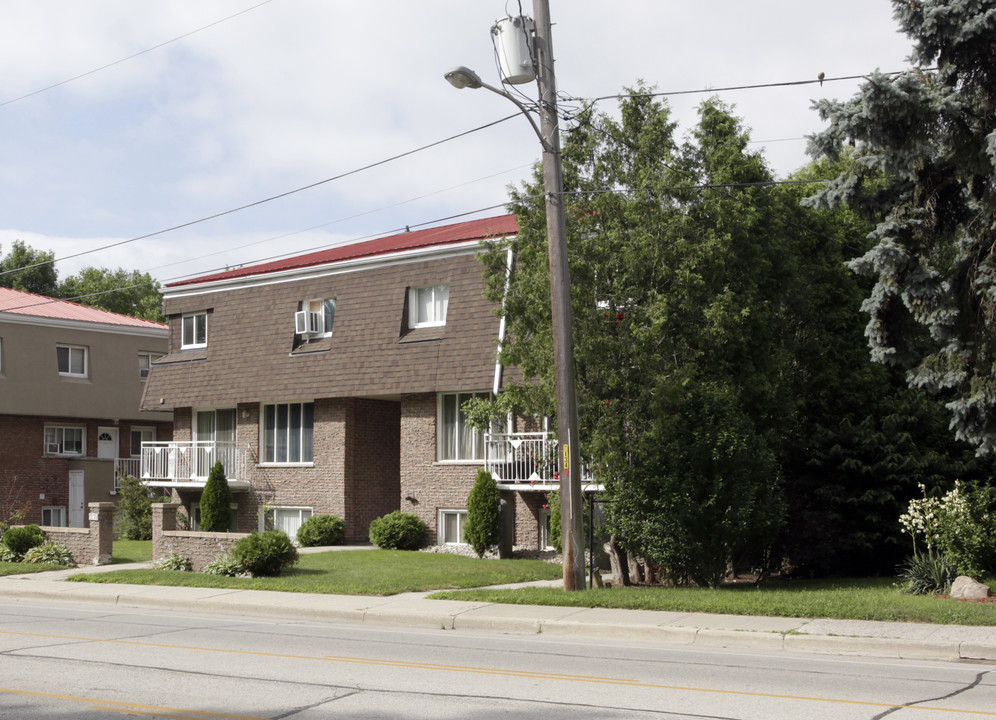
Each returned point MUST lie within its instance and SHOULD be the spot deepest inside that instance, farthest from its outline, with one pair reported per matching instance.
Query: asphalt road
(58, 660)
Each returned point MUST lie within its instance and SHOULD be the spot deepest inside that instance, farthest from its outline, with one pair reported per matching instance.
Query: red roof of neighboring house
(16, 302)
(444, 235)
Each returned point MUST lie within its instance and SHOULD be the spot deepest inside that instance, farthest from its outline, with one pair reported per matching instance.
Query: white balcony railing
(166, 463)
(125, 467)
(521, 457)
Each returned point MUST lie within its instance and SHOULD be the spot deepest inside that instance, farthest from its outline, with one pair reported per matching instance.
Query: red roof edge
(483, 229)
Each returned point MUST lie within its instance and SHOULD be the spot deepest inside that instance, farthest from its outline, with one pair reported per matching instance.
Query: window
(139, 436)
(72, 360)
(316, 318)
(427, 306)
(54, 516)
(145, 361)
(450, 527)
(194, 328)
(544, 530)
(61, 440)
(288, 519)
(457, 439)
(287, 432)
(215, 433)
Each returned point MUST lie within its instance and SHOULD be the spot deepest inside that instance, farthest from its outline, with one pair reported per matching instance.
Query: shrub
(224, 565)
(8, 555)
(397, 531)
(928, 573)
(265, 554)
(961, 526)
(134, 510)
(553, 500)
(483, 528)
(321, 530)
(23, 538)
(51, 555)
(174, 561)
(216, 501)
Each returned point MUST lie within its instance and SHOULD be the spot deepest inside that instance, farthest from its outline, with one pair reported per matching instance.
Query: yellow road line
(493, 672)
(134, 708)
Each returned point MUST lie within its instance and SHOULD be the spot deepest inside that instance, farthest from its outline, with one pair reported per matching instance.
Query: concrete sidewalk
(839, 637)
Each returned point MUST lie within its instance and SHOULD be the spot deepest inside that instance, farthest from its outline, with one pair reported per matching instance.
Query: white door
(107, 443)
(76, 515)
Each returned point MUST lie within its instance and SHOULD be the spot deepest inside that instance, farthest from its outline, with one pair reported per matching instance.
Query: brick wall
(89, 546)
(373, 466)
(200, 547)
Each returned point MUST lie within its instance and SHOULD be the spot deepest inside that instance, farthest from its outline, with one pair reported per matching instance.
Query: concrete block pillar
(101, 518)
(163, 520)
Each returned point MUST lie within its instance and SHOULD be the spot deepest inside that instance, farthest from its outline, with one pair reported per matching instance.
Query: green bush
(49, 554)
(265, 554)
(961, 526)
(928, 573)
(556, 528)
(483, 528)
(397, 531)
(23, 538)
(134, 510)
(321, 530)
(224, 565)
(216, 501)
(8, 555)
(174, 561)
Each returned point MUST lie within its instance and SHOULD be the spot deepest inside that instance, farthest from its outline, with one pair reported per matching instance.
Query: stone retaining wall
(92, 545)
(200, 547)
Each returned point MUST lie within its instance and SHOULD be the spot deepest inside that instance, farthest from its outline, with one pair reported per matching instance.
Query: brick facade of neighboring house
(71, 381)
(353, 415)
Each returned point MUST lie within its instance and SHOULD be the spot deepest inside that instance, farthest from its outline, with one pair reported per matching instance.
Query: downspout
(499, 368)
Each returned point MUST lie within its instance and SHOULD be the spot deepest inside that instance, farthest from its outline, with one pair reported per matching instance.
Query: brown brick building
(71, 381)
(331, 383)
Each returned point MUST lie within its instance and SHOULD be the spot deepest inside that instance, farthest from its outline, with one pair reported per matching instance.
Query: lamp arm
(524, 110)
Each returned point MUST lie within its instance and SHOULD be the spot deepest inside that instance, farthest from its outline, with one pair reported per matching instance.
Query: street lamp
(560, 298)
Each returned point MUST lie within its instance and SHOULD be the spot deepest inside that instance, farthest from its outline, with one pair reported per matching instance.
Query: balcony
(187, 464)
(524, 461)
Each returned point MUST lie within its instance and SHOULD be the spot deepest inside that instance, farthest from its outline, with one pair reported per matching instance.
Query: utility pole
(560, 303)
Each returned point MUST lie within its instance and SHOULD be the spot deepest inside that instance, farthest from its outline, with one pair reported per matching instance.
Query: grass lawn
(9, 568)
(846, 599)
(129, 551)
(356, 572)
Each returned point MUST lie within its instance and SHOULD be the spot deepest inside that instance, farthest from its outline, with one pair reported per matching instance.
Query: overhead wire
(132, 56)
(256, 203)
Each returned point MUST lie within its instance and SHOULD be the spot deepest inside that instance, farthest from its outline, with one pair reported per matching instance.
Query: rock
(965, 588)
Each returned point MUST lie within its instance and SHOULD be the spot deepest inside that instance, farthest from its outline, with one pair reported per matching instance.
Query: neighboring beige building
(71, 382)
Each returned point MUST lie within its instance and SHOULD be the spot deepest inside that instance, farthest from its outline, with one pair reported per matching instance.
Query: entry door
(107, 443)
(76, 515)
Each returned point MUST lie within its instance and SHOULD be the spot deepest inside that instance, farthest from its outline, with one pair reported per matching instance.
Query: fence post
(163, 520)
(101, 518)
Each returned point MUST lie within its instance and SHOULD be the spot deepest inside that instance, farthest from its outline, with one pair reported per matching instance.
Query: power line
(264, 200)
(132, 56)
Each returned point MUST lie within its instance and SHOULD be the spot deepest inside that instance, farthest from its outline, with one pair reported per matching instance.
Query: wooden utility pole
(560, 290)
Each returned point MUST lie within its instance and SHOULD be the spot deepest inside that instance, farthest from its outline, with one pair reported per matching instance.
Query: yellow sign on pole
(567, 459)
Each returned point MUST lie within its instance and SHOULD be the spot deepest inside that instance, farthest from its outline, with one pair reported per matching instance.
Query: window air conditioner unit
(306, 322)
(52, 448)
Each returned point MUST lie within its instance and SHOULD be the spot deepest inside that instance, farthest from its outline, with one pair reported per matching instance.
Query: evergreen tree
(924, 169)
(216, 501)
(483, 528)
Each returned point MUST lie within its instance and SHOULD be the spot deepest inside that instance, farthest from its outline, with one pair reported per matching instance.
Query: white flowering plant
(960, 525)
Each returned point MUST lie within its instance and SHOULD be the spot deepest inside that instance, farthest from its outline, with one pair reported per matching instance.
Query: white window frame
(145, 361)
(73, 351)
(59, 510)
(268, 517)
(1, 355)
(303, 437)
(445, 435)
(56, 435)
(146, 434)
(325, 309)
(195, 517)
(197, 322)
(438, 301)
(461, 520)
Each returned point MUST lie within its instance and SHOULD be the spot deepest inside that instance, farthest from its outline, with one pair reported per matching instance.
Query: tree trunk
(617, 561)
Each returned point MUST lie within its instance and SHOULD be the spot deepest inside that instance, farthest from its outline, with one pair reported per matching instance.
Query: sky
(121, 119)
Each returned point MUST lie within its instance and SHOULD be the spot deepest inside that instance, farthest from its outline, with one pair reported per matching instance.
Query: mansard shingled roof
(430, 237)
(15, 302)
